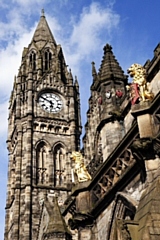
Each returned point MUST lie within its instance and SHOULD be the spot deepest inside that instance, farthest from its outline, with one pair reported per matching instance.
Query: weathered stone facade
(121, 148)
(40, 137)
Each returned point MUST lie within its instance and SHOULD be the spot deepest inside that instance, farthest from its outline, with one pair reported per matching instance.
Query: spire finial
(42, 13)
(107, 48)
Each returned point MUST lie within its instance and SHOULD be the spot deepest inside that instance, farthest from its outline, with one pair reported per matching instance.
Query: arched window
(59, 163)
(47, 59)
(41, 160)
(32, 60)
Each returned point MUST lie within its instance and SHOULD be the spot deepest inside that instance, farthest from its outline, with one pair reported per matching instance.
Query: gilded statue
(139, 87)
(80, 168)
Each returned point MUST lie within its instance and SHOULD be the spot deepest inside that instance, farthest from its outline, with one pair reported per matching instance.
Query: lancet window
(59, 162)
(47, 59)
(32, 60)
(41, 157)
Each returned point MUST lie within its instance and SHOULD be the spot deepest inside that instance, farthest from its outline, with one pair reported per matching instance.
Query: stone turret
(108, 91)
(109, 83)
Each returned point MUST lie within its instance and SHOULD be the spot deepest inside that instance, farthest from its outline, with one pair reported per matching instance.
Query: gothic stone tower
(104, 127)
(43, 128)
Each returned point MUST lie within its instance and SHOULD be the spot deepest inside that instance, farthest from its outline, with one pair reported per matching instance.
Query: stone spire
(110, 66)
(43, 33)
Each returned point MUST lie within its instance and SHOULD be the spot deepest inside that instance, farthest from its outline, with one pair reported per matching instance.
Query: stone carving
(80, 168)
(139, 87)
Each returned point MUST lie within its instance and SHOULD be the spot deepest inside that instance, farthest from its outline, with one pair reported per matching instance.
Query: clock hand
(47, 100)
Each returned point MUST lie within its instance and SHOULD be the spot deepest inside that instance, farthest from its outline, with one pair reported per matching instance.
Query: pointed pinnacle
(70, 73)
(93, 69)
(76, 82)
(70, 77)
(42, 13)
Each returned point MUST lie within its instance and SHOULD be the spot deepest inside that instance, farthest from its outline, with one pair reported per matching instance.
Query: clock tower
(44, 127)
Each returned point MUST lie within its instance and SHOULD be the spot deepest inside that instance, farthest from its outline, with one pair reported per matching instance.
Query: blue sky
(82, 28)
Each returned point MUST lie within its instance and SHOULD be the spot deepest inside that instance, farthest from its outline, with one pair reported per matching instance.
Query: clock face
(50, 102)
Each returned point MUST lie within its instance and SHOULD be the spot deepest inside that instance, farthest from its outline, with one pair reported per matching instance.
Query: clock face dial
(50, 102)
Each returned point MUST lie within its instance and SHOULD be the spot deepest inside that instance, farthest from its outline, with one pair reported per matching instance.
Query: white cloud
(93, 19)
(17, 17)
(12, 28)
(95, 24)
(31, 3)
(4, 113)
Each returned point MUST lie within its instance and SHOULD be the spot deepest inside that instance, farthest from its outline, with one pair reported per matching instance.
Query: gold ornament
(80, 168)
(139, 77)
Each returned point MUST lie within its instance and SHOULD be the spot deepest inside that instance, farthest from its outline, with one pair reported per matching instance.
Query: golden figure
(80, 168)
(139, 77)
